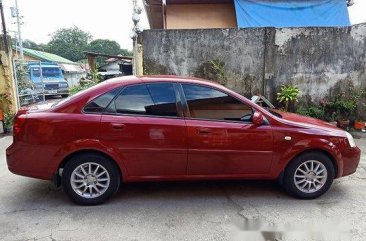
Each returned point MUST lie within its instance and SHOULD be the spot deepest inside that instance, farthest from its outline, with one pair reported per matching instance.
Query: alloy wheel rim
(310, 176)
(90, 180)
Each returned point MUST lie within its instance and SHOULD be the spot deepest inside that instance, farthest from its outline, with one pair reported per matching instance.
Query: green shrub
(313, 111)
(82, 86)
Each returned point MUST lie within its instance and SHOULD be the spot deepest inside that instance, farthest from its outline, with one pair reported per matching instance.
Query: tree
(69, 43)
(104, 46)
(32, 45)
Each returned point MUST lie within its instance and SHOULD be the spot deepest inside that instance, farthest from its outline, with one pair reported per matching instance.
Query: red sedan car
(170, 128)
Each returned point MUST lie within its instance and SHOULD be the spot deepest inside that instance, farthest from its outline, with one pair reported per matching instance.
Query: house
(116, 67)
(202, 14)
(71, 70)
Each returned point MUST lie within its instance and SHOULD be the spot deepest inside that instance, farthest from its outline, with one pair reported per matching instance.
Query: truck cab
(48, 77)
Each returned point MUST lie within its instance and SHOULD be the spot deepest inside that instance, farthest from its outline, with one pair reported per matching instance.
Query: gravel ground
(31, 209)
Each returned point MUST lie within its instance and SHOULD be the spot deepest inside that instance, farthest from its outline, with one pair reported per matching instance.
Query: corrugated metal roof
(72, 68)
(44, 56)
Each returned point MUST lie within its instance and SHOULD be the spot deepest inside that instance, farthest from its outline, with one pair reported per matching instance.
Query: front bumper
(351, 158)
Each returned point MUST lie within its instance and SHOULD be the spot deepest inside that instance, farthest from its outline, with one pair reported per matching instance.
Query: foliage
(341, 107)
(23, 77)
(344, 106)
(288, 94)
(9, 120)
(218, 69)
(69, 43)
(312, 111)
(81, 86)
(6, 99)
(33, 45)
(212, 70)
(106, 46)
(95, 76)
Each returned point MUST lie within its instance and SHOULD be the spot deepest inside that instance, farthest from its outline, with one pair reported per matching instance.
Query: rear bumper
(20, 164)
(351, 158)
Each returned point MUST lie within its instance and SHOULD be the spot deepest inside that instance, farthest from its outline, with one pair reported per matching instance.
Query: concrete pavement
(31, 209)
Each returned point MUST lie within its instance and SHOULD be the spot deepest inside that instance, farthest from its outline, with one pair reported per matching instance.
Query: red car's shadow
(44, 194)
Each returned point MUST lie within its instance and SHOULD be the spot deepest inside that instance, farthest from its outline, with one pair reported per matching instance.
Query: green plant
(288, 94)
(218, 69)
(312, 111)
(83, 85)
(8, 121)
(346, 106)
(95, 76)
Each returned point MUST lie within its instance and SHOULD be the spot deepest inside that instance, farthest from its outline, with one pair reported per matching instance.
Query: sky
(107, 19)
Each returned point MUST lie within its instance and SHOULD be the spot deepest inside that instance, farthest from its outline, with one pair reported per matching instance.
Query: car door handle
(118, 126)
(203, 130)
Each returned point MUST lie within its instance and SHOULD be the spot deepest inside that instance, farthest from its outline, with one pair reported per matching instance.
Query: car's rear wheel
(90, 179)
(309, 175)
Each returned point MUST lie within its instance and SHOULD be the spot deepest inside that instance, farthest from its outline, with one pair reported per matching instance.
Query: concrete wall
(198, 16)
(189, 52)
(8, 100)
(320, 61)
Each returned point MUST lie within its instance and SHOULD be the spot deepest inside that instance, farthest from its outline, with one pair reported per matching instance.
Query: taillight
(19, 121)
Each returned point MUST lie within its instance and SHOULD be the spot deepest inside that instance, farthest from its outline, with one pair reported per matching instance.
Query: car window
(208, 103)
(151, 99)
(101, 102)
(163, 96)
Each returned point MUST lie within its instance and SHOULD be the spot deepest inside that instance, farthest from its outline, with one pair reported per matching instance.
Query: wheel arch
(314, 150)
(89, 151)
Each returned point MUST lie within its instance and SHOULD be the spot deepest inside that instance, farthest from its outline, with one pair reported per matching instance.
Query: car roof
(127, 80)
(77, 101)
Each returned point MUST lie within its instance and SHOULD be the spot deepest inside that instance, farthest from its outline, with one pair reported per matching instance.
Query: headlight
(351, 141)
(63, 85)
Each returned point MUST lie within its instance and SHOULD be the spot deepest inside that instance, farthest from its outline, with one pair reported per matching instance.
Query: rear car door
(144, 123)
(222, 140)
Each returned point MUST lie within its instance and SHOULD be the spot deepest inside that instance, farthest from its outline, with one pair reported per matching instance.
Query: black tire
(65, 95)
(289, 175)
(108, 165)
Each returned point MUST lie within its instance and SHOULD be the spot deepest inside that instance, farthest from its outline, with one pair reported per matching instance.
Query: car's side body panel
(228, 148)
(148, 146)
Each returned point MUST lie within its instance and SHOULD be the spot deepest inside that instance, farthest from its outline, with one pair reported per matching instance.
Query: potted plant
(359, 125)
(341, 109)
(288, 94)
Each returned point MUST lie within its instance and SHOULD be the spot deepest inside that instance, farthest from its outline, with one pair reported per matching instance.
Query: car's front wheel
(90, 179)
(309, 175)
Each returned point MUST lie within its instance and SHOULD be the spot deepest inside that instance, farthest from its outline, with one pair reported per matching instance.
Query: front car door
(144, 124)
(221, 138)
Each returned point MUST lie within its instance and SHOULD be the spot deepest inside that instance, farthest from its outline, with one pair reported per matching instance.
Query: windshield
(47, 72)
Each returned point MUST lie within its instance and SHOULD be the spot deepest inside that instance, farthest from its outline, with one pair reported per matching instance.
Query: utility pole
(21, 53)
(5, 38)
(134, 35)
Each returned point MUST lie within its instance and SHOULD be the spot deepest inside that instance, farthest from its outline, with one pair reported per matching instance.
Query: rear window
(101, 102)
(151, 99)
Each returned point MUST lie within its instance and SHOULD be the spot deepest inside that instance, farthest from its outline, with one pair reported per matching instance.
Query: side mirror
(257, 118)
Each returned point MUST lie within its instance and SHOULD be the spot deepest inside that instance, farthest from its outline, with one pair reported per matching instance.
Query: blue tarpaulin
(293, 13)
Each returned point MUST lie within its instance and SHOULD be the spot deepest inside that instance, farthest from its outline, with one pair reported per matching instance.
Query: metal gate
(28, 91)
